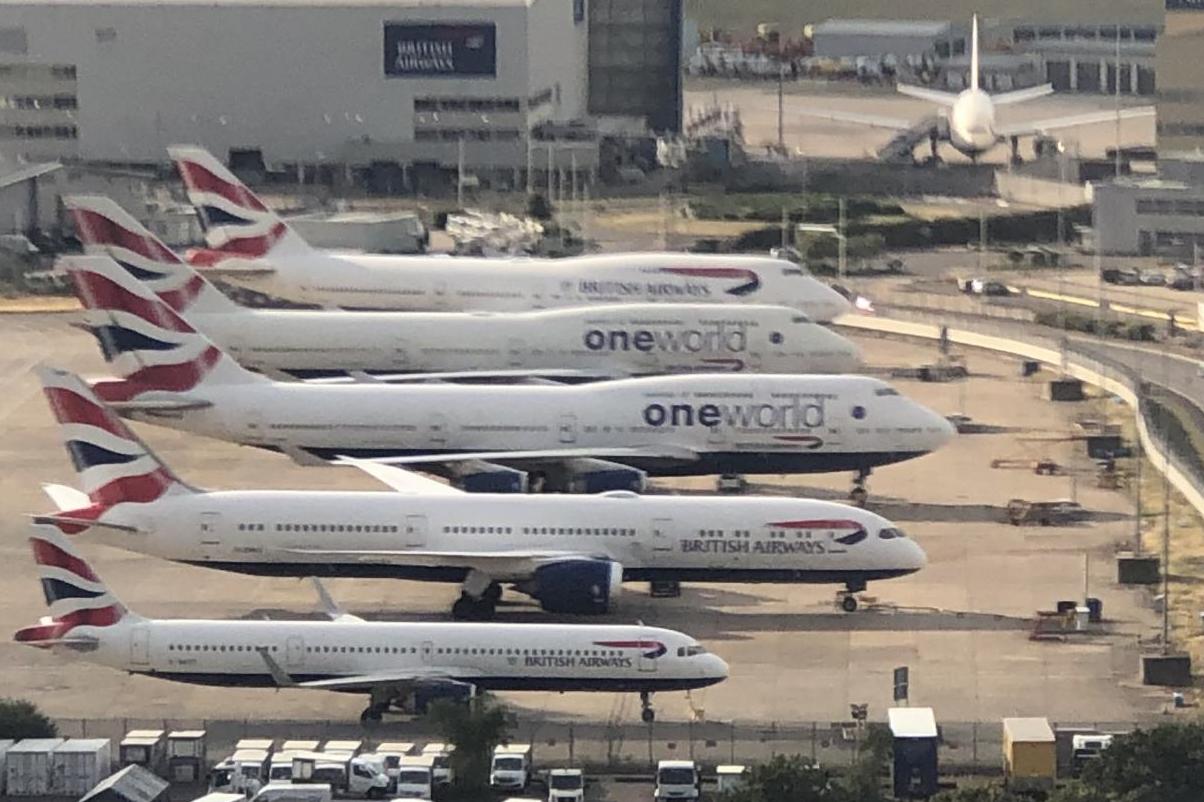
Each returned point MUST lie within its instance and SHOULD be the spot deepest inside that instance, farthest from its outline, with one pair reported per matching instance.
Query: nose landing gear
(647, 714)
(859, 495)
(847, 599)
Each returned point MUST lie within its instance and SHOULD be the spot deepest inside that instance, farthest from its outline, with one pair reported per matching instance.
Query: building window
(578, 11)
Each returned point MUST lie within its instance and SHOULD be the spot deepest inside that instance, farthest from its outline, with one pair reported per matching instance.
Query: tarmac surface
(962, 625)
(812, 136)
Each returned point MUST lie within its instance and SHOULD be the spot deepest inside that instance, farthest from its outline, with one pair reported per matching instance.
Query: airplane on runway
(603, 341)
(251, 246)
(599, 436)
(385, 661)
(967, 119)
(569, 553)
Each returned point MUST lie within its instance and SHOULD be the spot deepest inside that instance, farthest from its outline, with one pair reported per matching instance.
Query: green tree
(474, 729)
(538, 207)
(982, 793)
(1163, 764)
(863, 781)
(21, 719)
(785, 778)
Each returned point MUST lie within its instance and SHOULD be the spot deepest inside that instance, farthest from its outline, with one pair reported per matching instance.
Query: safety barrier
(1113, 379)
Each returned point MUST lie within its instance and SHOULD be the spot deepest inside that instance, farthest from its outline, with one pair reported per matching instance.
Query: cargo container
(255, 745)
(28, 766)
(914, 771)
(145, 748)
(5, 745)
(351, 748)
(79, 764)
(131, 784)
(1030, 760)
(187, 754)
(300, 746)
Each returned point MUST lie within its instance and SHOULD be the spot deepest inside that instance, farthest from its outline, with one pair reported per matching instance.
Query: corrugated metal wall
(635, 60)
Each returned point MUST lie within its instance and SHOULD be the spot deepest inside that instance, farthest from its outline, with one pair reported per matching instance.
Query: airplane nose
(715, 668)
(844, 356)
(916, 558)
(940, 427)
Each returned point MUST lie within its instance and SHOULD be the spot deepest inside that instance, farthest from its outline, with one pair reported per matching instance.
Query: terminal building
(397, 93)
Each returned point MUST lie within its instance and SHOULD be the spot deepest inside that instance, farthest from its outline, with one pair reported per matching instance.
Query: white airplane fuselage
(972, 123)
(502, 657)
(611, 339)
(681, 538)
(444, 283)
(760, 423)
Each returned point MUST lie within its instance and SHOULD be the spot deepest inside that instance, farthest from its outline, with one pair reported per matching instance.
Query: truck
(441, 765)
(566, 785)
(415, 777)
(347, 775)
(294, 792)
(280, 766)
(242, 771)
(511, 767)
(676, 779)
(391, 752)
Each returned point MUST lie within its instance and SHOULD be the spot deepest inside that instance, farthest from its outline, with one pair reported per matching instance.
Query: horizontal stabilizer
(152, 406)
(66, 498)
(1022, 95)
(931, 95)
(80, 521)
(869, 120)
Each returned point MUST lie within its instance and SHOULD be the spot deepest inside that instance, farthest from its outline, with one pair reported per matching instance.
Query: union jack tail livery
(113, 464)
(151, 347)
(78, 600)
(107, 229)
(237, 223)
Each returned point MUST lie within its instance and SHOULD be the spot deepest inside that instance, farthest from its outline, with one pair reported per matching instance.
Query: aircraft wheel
(493, 593)
(371, 716)
(859, 496)
(462, 610)
(648, 715)
(849, 603)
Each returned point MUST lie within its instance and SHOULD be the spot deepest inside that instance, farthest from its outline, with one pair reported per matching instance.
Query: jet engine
(583, 587)
(587, 475)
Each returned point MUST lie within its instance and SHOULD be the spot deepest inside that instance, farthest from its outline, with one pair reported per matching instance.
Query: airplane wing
(1022, 95)
(401, 378)
(401, 480)
(871, 120)
(931, 95)
(1071, 121)
(366, 682)
(501, 566)
(669, 453)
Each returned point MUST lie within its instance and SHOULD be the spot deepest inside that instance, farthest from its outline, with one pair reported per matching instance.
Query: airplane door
(140, 646)
(568, 428)
(427, 651)
(646, 663)
(662, 529)
(436, 430)
(415, 530)
(295, 652)
(210, 533)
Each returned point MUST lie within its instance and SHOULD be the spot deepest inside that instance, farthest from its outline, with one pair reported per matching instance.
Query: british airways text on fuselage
(800, 413)
(594, 288)
(719, 337)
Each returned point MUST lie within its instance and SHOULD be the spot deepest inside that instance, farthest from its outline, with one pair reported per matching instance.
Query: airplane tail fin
(113, 464)
(237, 223)
(150, 347)
(76, 596)
(106, 228)
(974, 52)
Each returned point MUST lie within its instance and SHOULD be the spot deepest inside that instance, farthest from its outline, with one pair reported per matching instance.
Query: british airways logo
(796, 414)
(719, 337)
(745, 281)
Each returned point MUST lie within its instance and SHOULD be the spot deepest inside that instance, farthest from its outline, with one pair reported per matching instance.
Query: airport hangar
(392, 92)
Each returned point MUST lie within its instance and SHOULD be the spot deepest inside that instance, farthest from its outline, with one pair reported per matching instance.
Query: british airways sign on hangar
(434, 49)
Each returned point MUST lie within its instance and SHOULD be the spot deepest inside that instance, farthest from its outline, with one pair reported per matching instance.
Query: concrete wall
(1180, 95)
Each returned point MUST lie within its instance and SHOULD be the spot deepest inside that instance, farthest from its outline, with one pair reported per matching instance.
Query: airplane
(387, 661)
(569, 553)
(592, 437)
(967, 119)
(251, 246)
(603, 341)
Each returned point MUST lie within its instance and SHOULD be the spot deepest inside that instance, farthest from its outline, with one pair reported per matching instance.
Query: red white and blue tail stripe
(113, 464)
(107, 229)
(236, 222)
(77, 598)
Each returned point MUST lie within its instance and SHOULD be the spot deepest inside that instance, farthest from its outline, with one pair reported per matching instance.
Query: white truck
(441, 762)
(391, 752)
(676, 779)
(241, 772)
(511, 767)
(294, 792)
(415, 778)
(566, 785)
(348, 775)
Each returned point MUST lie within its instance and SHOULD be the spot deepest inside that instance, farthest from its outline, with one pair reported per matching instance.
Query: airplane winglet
(279, 675)
(329, 606)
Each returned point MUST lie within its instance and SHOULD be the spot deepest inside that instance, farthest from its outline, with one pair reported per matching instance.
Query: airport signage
(440, 49)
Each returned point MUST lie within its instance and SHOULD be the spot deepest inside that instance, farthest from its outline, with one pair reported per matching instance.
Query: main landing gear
(647, 714)
(478, 600)
(1015, 143)
(858, 495)
(378, 704)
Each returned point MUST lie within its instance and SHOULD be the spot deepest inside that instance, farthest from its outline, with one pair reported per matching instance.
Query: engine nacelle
(477, 476)
(582, 587)
(588, 475)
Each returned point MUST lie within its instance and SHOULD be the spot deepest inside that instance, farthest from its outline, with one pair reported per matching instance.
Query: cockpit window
(795, 271)
(690, 651)
(800, 319)
(890, 533)
(852, 538)
(886, 391)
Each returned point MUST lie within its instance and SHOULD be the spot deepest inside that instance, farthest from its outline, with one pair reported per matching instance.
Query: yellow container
(1030, 757)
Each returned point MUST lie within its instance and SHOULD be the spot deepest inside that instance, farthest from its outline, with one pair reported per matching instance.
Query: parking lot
(962, 625)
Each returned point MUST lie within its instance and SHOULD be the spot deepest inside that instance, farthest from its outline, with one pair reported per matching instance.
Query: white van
(415, 777)
(566, 785)
(676, 779)
(511, 767)
(441, 763)
(294, 792)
